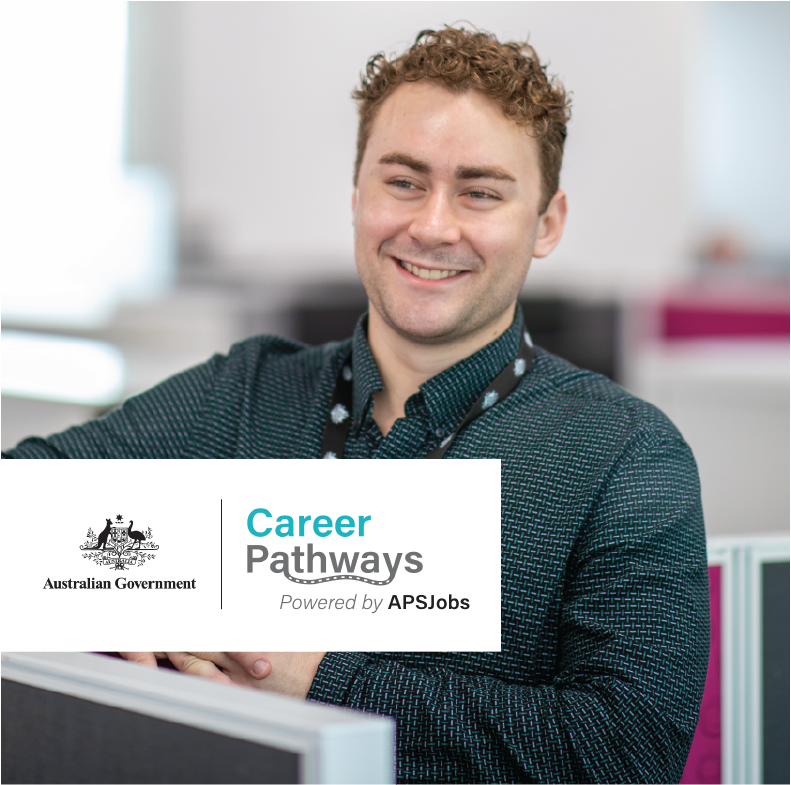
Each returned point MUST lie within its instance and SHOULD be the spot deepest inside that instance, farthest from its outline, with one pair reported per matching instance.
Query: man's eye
(402, 184)
(483, 195)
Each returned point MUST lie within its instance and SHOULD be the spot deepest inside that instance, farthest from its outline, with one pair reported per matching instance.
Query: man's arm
(623, 703)
(631, 659)
(622, 706)
(155, 424)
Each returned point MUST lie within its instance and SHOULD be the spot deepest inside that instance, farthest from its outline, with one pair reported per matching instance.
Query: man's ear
(354, 200)
(550, 225)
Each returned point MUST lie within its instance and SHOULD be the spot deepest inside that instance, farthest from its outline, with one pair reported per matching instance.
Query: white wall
(730, 402)
(79, 231)
(267, 128)
(740, 124)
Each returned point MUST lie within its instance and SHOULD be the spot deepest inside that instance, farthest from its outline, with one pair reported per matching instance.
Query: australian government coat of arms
(119, 546)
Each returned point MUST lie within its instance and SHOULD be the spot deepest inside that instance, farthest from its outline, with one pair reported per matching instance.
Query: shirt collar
(447, 396)
(366, 380)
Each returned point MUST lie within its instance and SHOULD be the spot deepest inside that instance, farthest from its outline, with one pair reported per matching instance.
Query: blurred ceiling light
(55, 368)
(78, 231)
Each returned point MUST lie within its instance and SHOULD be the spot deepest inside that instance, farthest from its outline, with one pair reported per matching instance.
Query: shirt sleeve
(155, 424)
(631, 660)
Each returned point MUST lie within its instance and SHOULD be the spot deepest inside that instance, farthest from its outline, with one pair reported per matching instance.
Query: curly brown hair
(509, 74)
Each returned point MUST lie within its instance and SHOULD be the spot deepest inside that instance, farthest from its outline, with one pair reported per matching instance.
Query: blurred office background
(177, 176)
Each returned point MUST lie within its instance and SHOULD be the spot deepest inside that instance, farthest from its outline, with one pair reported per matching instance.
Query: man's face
(446, 213)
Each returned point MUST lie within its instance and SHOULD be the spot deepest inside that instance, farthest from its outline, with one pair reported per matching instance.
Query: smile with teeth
(432, 275)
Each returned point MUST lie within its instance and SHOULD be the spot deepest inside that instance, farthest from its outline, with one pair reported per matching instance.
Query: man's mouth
(428, 275)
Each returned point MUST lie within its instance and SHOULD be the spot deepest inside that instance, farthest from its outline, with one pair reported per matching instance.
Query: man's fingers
(195, 666)
(147, 658)
(253, 662)
(207, 665)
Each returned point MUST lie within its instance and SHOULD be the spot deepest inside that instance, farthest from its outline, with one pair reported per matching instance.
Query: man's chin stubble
(456, 331)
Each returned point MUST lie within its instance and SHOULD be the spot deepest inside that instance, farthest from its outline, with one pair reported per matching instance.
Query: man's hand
(287, 673)
(147, 658)
(292, 672)
(252, 665)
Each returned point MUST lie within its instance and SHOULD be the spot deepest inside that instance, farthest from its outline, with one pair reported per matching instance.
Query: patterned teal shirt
(604, 583)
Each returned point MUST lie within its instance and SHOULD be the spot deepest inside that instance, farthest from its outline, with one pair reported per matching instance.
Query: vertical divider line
(220, 554)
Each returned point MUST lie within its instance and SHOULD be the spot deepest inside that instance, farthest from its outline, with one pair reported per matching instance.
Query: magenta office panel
(704, 764)
(743, 729)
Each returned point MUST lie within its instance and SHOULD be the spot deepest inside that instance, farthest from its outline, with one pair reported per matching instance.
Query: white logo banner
(251, 555)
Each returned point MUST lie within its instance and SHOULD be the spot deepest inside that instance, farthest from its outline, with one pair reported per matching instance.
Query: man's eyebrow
(403, 159)
(483, 173)
(462, 172)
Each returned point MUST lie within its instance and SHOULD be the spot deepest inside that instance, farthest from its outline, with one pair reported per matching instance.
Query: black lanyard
(339, 416)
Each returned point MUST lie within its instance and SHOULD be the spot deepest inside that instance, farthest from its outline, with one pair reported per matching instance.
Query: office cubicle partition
(88, 718)
(743, 730)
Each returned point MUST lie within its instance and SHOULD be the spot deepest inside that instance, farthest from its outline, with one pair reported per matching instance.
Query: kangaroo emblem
(101, 540)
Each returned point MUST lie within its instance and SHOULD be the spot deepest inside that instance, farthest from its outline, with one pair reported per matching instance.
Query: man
(605, 609)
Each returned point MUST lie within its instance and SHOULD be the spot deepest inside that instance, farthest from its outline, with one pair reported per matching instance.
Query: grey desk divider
(70, 717)
(755, 657)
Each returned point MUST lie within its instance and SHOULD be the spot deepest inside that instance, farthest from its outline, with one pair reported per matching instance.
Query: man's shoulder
(556, 384)
(287, 355)
(552, 372)
(275, 347)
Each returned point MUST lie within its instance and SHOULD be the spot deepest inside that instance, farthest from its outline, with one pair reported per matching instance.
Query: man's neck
(404, 365)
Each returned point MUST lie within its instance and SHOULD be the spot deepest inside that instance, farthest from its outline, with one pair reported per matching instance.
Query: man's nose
(435, 222)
